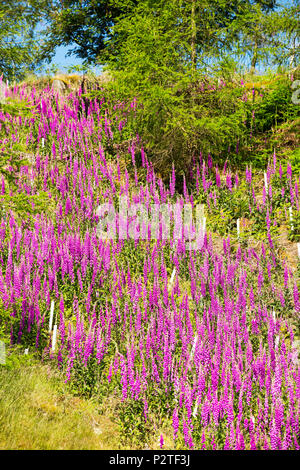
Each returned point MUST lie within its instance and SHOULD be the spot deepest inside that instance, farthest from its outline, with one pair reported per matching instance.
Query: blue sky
(63, 62)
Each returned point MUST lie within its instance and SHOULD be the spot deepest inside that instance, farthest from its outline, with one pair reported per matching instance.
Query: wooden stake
(51, 315)
(291, 217)
(266, 182)
(172, 278)
(54, 337)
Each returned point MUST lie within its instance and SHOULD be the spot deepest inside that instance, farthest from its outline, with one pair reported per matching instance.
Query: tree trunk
(193, 36)
(254, 59)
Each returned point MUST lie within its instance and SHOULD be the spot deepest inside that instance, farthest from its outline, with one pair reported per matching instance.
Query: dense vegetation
(220, 337)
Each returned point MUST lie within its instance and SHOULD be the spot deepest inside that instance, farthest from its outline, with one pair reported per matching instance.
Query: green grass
(38, 412)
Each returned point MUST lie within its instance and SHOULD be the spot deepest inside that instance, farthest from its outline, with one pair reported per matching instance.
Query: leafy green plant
(275, 106)
(294, 228)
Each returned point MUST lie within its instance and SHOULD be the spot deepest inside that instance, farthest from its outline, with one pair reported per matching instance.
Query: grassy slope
(38, 412)
(37, 409)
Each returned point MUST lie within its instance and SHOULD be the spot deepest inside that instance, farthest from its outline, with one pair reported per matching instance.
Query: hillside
(172, 347)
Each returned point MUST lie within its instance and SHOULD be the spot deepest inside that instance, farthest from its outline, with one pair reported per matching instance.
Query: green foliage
(155, 56)
(295, 160)
(294, 228)
(132, 424)
(16, 359)
(19, 40)
(82, 25)
(7, 322)
(86, 377)
(12, 159)
(15, 107)
(88, 27)
(179, 108)
(23, 204)
(275, 106)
